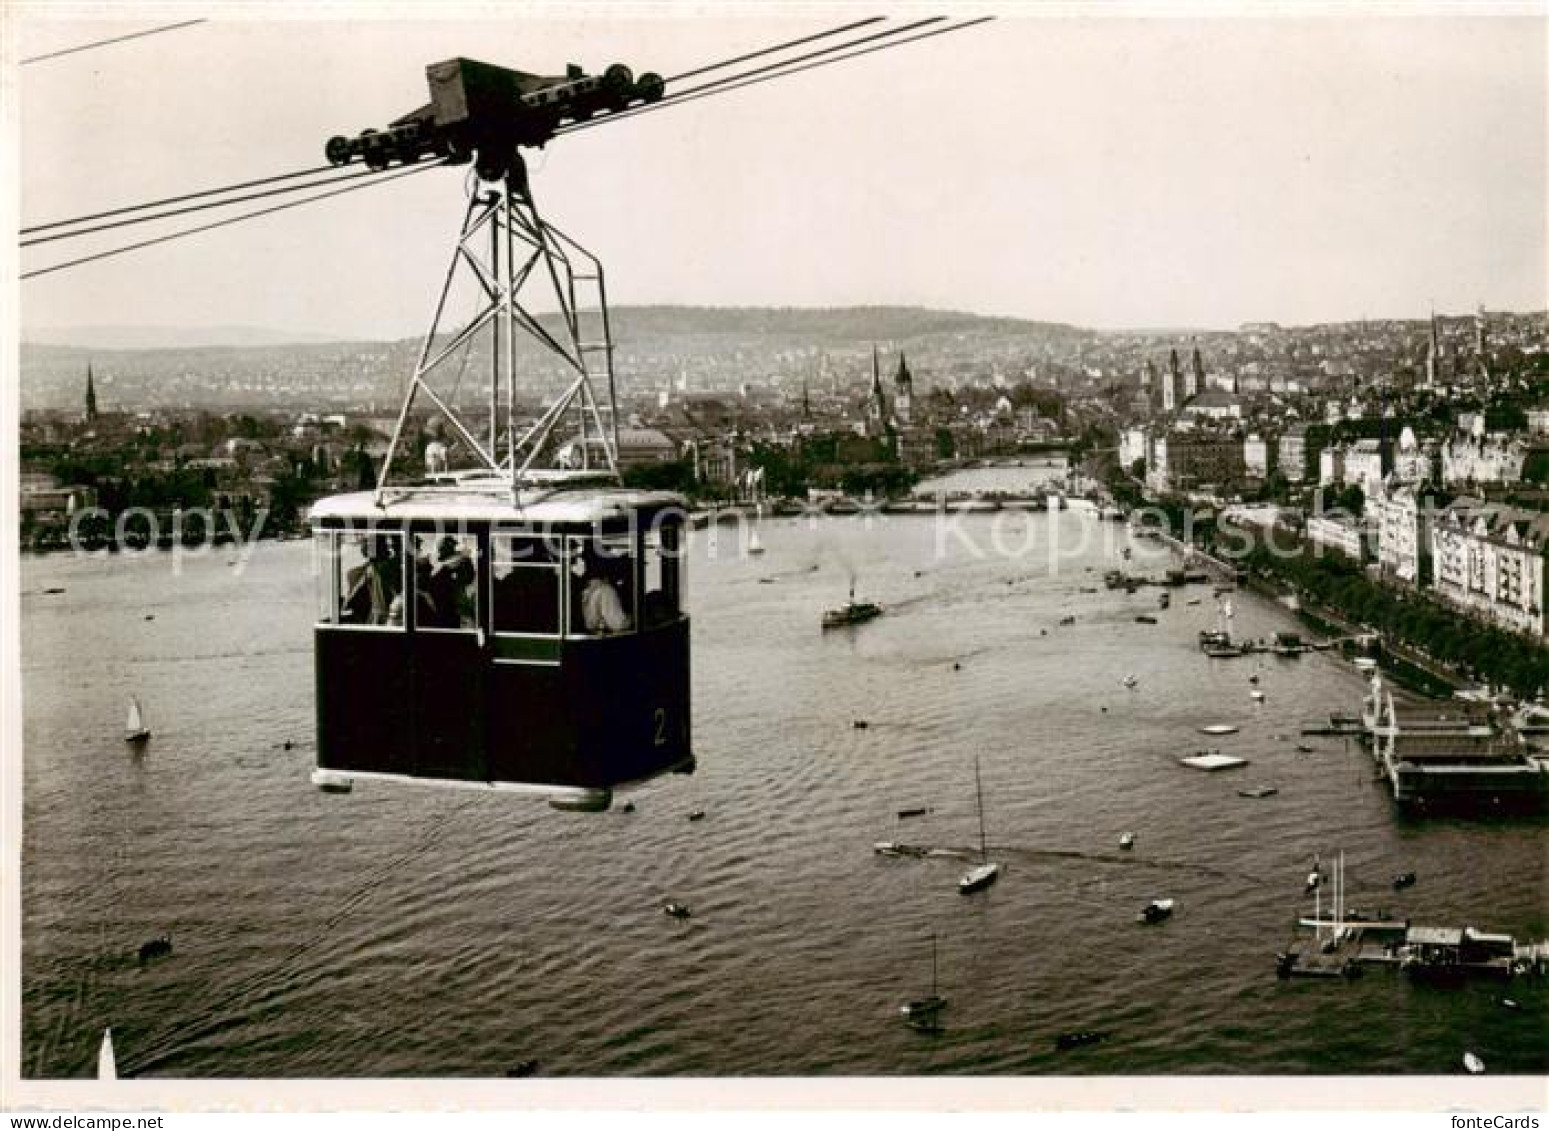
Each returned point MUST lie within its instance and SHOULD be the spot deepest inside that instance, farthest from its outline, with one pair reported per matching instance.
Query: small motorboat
(1127, 841)
(1258, 696)
(1258, 791)
(1303, 748)
(978, 877)
(893, 848)
(1075, 1040)
(1155, 911)
(330, 781)
(1212, 761)
(860, 724)
(676, 910)
(1145, 619)
(913, 811)
(159, 947)
(1067, 620)
(627, 807)
(853, 612)
(1130, 680)
(1218, 728)
(1254, 678)
(1403, 880)
(696, 815)
(1474, 1065)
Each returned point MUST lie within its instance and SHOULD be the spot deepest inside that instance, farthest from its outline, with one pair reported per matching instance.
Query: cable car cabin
(463, 640)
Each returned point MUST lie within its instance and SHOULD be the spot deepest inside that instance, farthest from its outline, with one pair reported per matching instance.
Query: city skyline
(1113, 173)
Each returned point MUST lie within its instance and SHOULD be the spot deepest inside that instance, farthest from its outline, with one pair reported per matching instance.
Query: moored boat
(1156, 911)
(987, 871)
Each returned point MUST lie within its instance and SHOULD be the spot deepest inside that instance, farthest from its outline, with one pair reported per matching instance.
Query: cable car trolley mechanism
(517, 623)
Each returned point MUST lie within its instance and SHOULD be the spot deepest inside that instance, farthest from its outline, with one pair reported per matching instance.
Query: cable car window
(525, 584)
(661, 603)
(325, 567)
(602, 586)
(446, 582)
(371, 578)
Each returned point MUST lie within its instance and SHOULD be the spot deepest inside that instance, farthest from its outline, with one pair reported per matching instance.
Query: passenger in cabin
(372, 585)
(447, 587)
(602, 609)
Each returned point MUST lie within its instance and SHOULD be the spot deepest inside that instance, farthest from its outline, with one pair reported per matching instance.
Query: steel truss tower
(513, 257)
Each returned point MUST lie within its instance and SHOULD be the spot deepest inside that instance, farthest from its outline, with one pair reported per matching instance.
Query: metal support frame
(511, 252)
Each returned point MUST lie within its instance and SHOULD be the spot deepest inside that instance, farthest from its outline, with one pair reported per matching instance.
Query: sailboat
(923, 1013)
(986, 872)
(107, 1067)
(755, 545)
(134, 727)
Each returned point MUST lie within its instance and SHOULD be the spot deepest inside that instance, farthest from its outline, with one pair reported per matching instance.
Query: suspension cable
(229, 220)
(195, 208)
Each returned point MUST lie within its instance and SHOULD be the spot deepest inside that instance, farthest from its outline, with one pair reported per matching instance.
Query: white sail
(134, 725)
(107, 1067)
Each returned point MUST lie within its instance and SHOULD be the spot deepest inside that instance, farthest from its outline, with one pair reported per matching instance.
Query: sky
(1107, 166)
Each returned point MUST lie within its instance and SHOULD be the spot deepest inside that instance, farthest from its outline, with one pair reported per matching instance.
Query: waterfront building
(1340, 533)
(1489, 560)
(1401, 515)
(1181, 462)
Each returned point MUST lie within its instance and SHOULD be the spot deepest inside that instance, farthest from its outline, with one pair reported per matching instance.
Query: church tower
(1170, 384)
(903, 391)
(1196, 381)
(91, 397)
(876, 403)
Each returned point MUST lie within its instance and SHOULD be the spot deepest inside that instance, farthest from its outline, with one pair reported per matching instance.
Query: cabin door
(448, 658)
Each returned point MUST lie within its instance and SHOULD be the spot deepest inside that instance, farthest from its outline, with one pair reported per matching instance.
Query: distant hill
(166, 337)
(715, 347)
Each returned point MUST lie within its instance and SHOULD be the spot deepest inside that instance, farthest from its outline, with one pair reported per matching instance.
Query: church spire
(91, 397)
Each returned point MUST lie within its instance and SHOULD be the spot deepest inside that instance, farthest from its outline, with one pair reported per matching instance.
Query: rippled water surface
(403, 931)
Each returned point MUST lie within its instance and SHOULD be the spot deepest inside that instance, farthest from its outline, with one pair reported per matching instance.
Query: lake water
(399, 931)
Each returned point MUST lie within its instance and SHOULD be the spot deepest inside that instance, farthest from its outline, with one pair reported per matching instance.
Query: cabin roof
(566, 505)
(1435, 936)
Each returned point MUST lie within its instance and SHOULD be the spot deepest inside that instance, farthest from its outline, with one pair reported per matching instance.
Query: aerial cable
(185, 196)
(195, 208)
(229, 220)
(718, 84)
(35, 228)
(754, 77)
(697, 71)
(115, 39)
